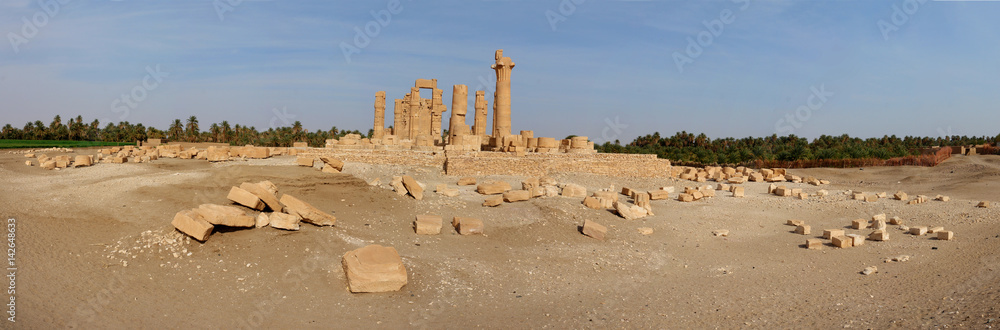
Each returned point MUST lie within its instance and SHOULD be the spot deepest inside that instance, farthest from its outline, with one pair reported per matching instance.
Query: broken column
(414, 111)
(379, 129)
(459, 107)
(479, 126)
(437, 113)
(501, 101)
(399, 117)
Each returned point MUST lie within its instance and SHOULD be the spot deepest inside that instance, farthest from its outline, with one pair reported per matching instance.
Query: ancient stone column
(501, 101)
(479, 124)
(397, 118)
(379, 129)
(437, 113)
(459, 107)
(415, 111)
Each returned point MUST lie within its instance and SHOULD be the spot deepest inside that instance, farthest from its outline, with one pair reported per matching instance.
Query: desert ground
(95, 249)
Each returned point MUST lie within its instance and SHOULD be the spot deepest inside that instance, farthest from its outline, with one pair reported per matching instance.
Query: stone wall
(463, 163)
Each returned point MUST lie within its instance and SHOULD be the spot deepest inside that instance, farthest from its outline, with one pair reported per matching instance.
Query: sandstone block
(945, 235)
(933, 230)
(493, 201)
(573, 190)
(374, 268)
(918, 230)
(592, 202)
(551, 191)
(771, 188)
(896, 221)
(859, 224)
(594, 229)
(795, 222)
(245, 198)
(722, 186)
(830, 233)
(82, 160)
(192, 224)
(427, 224)
(738, 192)
(516, 196)
(822, 192)
(224, 215)
(329, 169)
(658, 195)
(468, 226)
(284, 221)
(879, 235)
(796, 191)
(48, 165)
(629, 211)
(27, 162)
(305, 161)
(814, 244)
(856, 240)
(878, 224)
(984, 204)
(493, 188)
(262, 220)
(334, 163)
(942, 198)
(306, 211)
(467, 181)
(900, 196)
(842, 241)
(871, 198)
(802, 195)
(413, 187)
(260, 190)
(529, 184)
(627, 191)
(547, 181)
(685, 197)
(803, 230)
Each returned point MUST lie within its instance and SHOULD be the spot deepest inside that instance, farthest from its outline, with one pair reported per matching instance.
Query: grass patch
(24, 144)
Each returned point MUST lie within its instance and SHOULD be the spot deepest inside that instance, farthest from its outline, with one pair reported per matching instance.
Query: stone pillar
(501, 101)
(379, 129)
(479, 125)
(397, 118)
(437, 113)
(414, 122)
(459, 107)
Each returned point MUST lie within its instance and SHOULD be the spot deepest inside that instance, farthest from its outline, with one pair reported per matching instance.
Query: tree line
(690, 149)
(189, 131)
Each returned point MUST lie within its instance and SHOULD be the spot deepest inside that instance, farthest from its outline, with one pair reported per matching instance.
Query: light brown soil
(95, 249)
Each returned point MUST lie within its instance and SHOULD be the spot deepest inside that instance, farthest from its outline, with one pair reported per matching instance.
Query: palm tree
(192, 129)
(176, 130)
(215, 131)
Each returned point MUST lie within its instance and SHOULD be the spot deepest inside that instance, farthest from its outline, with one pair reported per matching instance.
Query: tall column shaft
(437, 113)
(379, 129)
(479, 124)
(415, 113)
(501, 102)
(459, 108)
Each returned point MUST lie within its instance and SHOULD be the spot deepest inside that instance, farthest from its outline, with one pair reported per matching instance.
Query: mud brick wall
(537, 164)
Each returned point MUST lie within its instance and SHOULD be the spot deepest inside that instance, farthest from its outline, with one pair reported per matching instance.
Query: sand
(95, 249)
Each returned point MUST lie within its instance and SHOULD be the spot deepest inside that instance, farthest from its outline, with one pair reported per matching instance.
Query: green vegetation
(77, 131)
(19, 144)
(689, 149)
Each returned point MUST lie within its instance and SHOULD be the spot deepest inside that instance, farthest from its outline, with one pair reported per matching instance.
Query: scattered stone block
(831, 233)
(192, 224)
(284, 221)
(670, 190)
(900, 196)
(722, 186)
(629, 211)
(374, 268)
(594, 229)
(48, 165)
(814, 244)
(738, 192)
(658, 195)
(870, 270)
(592, 202)
(467, 181)
(262, 220)
(945, 235)
(879, 235)
(413, 187)
(551, 191)
(493, 188)
(427, 224)
(881, 195)
(27, 162)
(397, 186)
(918, 230)
(82, 160)
(516, 196)
(842, 242)
(645, 230)
(707, 192)
(856, 240)
(468, 226)
(933, 230)
(685, 197)
(334, 163)
(573, 190)
(803, 230)
(871, 198)
(306, 211)
(305, 161)
(547, 181)
(697, 195)
(859, 196)
(942, 198)
(895, 221)
(771, 188)
(720, 232)
(329, 169)
(229, 216)
(878, 224)
(822, 192)
(803, 196)
(493, 201)
(626, 191)
(245, 198)
(795, 223)
(262, 191)
(783, 191)
(983, 204)
(859, 224)
(529, 184)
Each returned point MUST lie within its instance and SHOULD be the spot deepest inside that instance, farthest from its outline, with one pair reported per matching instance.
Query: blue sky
(604, 69)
